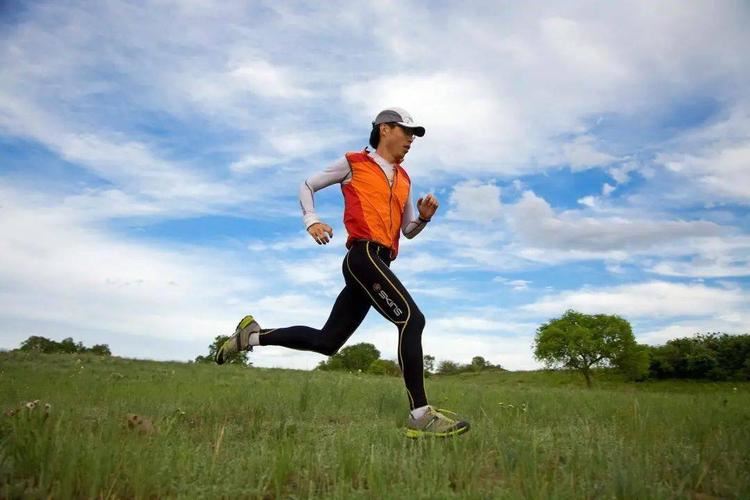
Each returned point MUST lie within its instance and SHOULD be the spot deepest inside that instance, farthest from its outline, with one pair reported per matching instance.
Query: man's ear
(385, 127)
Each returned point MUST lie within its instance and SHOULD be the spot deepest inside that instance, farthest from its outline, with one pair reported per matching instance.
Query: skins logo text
(381, 293)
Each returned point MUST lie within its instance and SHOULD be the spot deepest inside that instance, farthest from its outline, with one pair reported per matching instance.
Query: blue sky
(589, 156)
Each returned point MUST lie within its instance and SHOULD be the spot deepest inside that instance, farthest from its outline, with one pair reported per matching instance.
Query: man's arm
(411, 225)
(336, 173)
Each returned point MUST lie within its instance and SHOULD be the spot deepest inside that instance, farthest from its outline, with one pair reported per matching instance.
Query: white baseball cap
(401, 117)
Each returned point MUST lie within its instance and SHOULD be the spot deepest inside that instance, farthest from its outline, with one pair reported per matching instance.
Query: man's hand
(427, 206)
(320, 232)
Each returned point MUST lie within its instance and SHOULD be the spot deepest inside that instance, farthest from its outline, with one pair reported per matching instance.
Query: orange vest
(373, 209)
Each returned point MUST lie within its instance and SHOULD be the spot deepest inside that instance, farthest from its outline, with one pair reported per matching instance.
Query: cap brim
(418, 129)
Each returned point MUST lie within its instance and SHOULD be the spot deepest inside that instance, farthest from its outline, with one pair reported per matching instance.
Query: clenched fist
(427, 206)
(321, 233)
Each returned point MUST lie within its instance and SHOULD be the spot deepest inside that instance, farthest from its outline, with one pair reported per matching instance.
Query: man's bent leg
(348, 311)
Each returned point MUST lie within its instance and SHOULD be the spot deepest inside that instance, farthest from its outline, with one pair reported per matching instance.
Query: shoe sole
(219, 358)
(244, 323)
(416, 434)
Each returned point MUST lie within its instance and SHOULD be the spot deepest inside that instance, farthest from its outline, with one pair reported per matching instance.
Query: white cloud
(581, 154)
(615, 268)
(267, 80)
(455, 110)
(252, 162)
(656, 299)
(520, 285)
(539, 226)
(142, 177)
(60, 270)
(710, 258)
(589, 201)
(702, 267)
(621, 173)
(475, 202)
(77, 279)
(460, 338)
(323, 271)
(720, 171)
(417, 261)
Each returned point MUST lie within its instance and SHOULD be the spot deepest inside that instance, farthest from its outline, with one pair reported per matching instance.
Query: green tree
(714, 355)
(101, 350)
(384, 367)
(635, 362)
(429, 363)
(238, 358)
(36, 343)
(582, 342)
(478, 363)
(447, 367)
(331, 364)
(352, 358)
(68, 345)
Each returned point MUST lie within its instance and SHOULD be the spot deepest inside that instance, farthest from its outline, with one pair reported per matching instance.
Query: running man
(377, 208)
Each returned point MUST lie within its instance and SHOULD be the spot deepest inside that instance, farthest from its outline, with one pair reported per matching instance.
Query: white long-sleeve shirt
(340, 173)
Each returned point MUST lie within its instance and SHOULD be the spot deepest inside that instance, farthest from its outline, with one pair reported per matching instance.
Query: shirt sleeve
(411, 224)
(336, 173)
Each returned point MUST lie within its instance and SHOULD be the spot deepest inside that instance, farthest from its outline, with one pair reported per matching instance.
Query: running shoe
(435, 424)
(239, 341)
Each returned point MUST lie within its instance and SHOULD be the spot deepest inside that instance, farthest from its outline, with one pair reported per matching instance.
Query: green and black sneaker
(239, 341)
(435, 424)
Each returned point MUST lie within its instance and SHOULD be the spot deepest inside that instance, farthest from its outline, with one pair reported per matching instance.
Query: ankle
(419, 412)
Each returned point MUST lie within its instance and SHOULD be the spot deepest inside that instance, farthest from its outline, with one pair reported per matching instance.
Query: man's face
(396, 140)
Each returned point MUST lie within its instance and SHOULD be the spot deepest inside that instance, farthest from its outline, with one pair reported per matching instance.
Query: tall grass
(265, 433)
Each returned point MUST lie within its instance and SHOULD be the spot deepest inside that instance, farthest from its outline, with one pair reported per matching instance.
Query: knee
(328, 348)
(417, 321)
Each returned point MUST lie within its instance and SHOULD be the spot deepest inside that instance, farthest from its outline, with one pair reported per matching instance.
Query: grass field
(235, 432)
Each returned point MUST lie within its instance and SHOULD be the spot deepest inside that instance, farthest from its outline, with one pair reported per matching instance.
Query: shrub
(384, 367)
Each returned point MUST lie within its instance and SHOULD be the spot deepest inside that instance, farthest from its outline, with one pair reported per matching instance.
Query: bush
(37, 343)
(635, 362)
(384, 367)
(478, 364)
(357, 357)
(712, 356)
(447, 367)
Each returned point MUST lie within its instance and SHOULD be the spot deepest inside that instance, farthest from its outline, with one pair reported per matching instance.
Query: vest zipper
(390, 197)
(390, 202)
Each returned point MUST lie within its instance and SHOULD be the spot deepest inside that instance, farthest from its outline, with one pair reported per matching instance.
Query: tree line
(36, 343)
(361, 358)
(583, 342)
(715, 356)
(365, 358)
(573, 341)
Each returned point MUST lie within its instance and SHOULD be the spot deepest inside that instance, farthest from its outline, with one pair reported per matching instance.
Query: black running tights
(369, 282)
